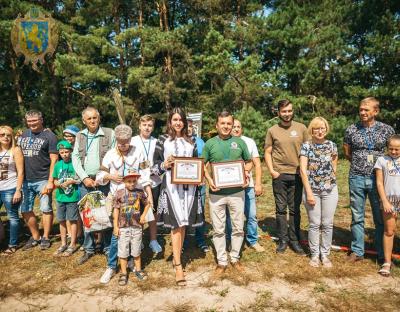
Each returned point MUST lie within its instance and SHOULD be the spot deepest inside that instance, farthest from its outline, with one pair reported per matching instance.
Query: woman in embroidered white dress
(178, 205)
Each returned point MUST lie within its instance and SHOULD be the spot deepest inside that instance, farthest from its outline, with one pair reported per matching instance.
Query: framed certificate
(187, 170)
(228, 174)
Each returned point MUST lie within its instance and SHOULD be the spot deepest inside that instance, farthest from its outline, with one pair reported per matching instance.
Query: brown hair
(283, 103)
(146, 118)
(9, 129)
(370, 100)
(393, 137)
(171, 131)
(224, 114)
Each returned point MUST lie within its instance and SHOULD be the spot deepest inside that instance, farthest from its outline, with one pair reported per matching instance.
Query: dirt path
(201, 294)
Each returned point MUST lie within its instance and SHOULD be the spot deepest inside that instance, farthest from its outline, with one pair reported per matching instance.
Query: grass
(37, 272)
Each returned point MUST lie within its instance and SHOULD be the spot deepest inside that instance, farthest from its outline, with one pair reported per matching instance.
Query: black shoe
(86, 256)
(45, 244)
(296, 247)
(282, 245)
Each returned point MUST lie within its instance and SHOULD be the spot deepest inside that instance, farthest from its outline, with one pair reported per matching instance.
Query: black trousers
(288, 190)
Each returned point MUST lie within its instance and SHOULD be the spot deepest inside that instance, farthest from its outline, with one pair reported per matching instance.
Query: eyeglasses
(319, 129)
(2, 135)
(68, 136)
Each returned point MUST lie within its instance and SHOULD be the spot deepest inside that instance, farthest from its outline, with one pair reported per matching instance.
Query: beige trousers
(218, 205)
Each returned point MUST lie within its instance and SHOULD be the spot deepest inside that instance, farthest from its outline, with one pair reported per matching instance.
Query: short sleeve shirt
(320, 167)
(221, 150)
(37, 148)
(367, 144)
(391, 178)
(129, 204)
(253, 150)
(286, 143)
(64, 171)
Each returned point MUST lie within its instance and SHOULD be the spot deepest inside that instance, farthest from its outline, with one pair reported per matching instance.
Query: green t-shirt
(219, 150)
(62, 172)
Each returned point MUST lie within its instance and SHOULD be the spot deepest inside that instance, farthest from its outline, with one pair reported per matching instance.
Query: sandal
(141, 275)
(9, 251)
(69, 251)
(123, 279)
(60, 250)
(385, 269)
(179, 282)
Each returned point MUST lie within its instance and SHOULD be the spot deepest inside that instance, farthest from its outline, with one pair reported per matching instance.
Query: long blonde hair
(9, 129)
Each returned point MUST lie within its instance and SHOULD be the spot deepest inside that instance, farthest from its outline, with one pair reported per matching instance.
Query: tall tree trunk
(141, 35)
(17, 87)
(117, 28)
(168, 69)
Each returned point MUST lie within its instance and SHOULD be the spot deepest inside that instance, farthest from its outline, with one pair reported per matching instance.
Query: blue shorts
(32, 189)
(67, 211)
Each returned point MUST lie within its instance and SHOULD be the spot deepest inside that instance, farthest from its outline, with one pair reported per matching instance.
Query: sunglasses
(2, 135)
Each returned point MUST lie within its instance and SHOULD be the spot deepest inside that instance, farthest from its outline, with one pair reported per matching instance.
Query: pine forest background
(206, 55)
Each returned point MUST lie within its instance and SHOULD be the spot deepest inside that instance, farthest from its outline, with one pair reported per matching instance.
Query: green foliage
(206, 56)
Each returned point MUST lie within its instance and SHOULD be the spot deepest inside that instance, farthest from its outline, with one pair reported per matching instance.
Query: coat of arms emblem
(34, 36)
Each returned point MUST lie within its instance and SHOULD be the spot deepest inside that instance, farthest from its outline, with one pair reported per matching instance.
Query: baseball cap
(131, 173)
(71, 130)
(64, 144)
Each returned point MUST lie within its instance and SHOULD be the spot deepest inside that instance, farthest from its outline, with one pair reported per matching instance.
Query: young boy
(147, 143)
(67, 197)
(128, 203)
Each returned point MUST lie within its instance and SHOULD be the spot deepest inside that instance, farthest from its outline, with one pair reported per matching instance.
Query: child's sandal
(385, 269)
(141, 275)
(123, 279)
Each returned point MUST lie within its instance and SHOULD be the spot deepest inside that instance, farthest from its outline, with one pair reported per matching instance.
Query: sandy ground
(85, 294)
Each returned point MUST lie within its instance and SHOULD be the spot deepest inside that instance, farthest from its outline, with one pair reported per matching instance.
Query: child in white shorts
(128, 221)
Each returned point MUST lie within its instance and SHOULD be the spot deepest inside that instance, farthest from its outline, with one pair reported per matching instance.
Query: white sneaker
(107, 275)
(131, 266)
(314, 262)
(155, 246)
(257, 247)
(326, 262)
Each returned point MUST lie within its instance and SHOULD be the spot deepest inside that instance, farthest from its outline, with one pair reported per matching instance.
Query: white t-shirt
(252, 147)
(391, 178)
(147, 146)
(113, 163)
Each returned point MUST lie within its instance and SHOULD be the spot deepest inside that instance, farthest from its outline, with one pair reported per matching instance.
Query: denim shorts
(32, 189)
(67, 211)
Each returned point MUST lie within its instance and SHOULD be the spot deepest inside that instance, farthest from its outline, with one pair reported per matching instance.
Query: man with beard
(282, 150)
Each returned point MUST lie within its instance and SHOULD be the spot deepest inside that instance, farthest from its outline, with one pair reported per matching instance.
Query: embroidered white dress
(179, 205)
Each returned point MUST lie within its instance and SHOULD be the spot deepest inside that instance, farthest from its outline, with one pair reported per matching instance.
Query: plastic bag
(94, 212)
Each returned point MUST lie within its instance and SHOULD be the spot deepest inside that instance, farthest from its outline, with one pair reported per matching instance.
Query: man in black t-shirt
(39, 147)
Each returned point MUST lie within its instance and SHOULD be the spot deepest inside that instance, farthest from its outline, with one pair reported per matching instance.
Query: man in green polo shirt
(224, 148)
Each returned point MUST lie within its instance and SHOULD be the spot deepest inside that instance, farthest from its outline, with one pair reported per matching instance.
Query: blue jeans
(361, 187)
(200, 231)
(113, 253)
(12, 213)
(89, 244)
(250, 210)
(30, 191)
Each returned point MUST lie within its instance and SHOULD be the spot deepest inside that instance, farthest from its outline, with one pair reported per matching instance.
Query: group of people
(134, 174)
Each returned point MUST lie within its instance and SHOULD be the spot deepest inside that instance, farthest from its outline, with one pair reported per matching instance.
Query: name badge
(144, 165)
(370, 159)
